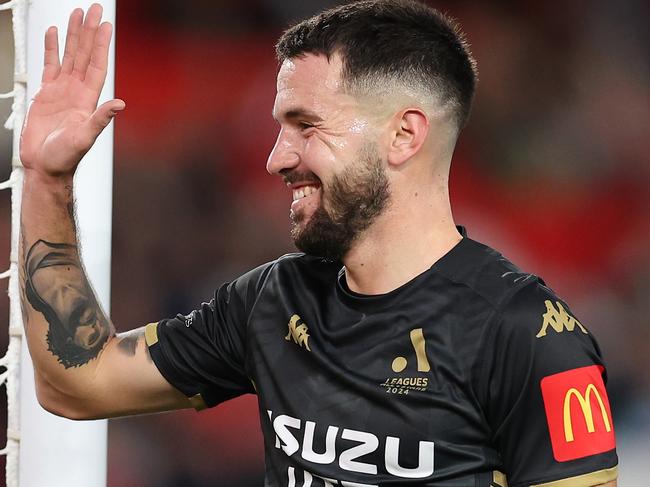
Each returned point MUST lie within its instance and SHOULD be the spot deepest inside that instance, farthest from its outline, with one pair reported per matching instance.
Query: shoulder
(259, 274)
(521, 304)
(533, 328)
(487, 273)
(292, 267)
(299, 261)
(539, 310)
(302, 267)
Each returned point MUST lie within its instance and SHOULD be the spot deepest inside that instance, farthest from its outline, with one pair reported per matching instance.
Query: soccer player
(393, 349)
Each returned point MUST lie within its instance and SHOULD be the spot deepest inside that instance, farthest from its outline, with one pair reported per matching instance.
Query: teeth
(303, 191)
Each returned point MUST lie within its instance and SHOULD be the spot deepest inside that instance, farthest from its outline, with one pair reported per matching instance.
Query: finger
(51, 66)
(72, 40)
(99, 120)
(87, 40)
(96, 72)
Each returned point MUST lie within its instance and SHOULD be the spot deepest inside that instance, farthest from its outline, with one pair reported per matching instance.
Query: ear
(410, 130)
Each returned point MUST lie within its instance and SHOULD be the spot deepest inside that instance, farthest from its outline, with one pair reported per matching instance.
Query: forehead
(310, 70)
(310, 82)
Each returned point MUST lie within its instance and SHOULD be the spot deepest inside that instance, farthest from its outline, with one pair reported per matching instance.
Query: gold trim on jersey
(197, 402)
(586, 480)
(151, 337)
(151, 333)
(499, 479)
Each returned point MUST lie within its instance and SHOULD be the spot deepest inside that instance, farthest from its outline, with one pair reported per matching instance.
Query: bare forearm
(66, 328)
(47, 211)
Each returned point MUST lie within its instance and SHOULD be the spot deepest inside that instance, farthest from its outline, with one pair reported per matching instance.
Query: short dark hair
(402, 40)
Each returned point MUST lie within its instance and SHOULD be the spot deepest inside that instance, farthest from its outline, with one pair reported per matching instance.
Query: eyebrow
(298, 112)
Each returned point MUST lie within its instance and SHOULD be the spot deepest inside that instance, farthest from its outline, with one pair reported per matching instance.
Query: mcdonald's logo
(585, 406)
(578, 413)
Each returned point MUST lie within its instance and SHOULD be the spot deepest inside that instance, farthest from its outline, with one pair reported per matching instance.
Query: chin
(297, 230)
(299, 222)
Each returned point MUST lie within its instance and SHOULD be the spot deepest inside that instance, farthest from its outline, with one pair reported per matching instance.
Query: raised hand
(63, 119)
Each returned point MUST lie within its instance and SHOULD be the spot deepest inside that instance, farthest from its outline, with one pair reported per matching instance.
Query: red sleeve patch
(578, 413)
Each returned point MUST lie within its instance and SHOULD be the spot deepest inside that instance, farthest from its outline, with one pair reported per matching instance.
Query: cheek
(324, 158)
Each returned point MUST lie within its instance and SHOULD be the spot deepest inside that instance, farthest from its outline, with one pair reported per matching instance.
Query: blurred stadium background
(554, 170)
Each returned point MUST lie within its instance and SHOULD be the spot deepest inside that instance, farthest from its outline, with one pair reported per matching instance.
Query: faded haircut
(391, 43)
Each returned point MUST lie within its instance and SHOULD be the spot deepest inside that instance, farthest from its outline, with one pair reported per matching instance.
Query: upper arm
(132, 380)
(196, 361)
(547, 401)
(204, 354)
(125, 381)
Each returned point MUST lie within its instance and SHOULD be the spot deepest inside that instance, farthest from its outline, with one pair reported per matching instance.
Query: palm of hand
(63, 120)
(53, 138)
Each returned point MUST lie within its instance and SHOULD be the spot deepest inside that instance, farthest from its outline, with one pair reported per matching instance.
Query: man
(393, 351)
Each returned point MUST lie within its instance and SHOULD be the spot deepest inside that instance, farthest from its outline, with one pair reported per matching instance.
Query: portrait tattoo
(56, 286)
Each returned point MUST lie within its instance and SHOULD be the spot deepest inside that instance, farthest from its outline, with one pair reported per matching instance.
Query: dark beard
(356, 198)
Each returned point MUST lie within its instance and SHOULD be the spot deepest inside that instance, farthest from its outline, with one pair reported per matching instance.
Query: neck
(406, 240)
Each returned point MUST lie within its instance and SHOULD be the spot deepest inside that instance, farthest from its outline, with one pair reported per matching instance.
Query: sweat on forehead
(309, 88)
(311, 84)
(311, 69)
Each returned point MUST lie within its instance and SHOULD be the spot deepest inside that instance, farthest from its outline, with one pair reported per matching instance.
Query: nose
(284, 154)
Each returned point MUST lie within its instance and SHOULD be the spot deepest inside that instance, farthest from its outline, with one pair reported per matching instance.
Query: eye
(305, 125)
(87, 317)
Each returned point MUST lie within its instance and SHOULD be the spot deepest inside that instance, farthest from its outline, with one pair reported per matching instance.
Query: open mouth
(305, 191)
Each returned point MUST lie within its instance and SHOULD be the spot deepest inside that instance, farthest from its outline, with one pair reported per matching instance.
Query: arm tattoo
(56, 286)
(128, 344)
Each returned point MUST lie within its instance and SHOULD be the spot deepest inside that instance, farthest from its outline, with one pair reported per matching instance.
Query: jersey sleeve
(203, 354)
(547, 403)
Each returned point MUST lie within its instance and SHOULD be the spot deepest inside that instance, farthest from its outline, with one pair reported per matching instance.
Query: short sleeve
(203, 354)
(546, 400)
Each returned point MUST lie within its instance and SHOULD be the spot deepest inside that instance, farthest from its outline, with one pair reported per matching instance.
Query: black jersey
(472, 373)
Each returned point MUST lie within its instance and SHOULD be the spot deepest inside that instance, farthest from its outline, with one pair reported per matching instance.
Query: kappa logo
(298, 333)
(558, 319)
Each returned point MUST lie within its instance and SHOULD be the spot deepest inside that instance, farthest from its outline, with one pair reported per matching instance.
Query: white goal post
(43, 449)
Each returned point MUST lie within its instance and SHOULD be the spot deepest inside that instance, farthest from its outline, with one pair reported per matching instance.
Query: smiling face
(328, 155)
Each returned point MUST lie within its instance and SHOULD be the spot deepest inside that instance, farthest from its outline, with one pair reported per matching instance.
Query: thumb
(100, 118)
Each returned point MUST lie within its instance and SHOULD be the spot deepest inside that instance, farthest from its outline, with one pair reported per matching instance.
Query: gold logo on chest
(299, 333)
(403, 384)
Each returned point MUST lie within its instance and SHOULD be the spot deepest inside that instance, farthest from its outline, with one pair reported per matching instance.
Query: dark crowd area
(553, 170)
